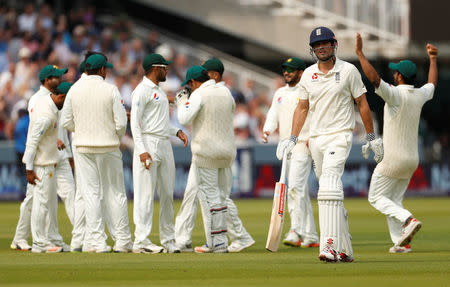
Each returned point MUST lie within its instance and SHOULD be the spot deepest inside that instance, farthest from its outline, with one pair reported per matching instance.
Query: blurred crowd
(33, 37)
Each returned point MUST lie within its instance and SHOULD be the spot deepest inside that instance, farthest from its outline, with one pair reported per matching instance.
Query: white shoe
(409, 230)
(328, 254)
(292, 239)
(345, 258)
(170, 247)
(106, 249)
(219, 248)
(20, 245)
(239, 245)
(50, 249)
(185, 247)
(122, 250)
(65, 247)
(151, 248)
(76, 249)
(400, 249)
(309, 244)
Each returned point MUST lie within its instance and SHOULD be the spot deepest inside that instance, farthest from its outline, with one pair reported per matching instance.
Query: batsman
(328, 90)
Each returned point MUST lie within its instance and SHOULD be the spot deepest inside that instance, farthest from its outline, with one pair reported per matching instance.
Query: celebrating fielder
(153, 163)
(303, 230)
(185, 220)
(210, 110)
(328, 90)
(391, 177)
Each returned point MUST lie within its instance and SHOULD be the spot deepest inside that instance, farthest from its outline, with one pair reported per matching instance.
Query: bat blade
(277, 217)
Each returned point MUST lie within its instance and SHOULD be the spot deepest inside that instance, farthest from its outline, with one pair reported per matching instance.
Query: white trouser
(44, 193)
(79, 223)
(185, 220)
(65, 188)
(330, 153)
(386, 195)
(103, 190)
(212, 202)
(299, 204)
(161, 176)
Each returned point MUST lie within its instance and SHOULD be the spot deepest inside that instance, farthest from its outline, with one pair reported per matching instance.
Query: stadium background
(252, 37)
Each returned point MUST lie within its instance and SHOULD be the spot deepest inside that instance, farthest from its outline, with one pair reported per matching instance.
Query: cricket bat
(277, 217)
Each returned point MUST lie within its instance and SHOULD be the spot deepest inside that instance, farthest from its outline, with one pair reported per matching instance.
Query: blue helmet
(321, 34)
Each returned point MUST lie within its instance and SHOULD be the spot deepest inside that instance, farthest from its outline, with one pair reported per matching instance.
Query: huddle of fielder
(314, 114)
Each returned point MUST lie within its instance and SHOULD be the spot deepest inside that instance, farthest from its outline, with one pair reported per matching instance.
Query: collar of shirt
(149, 82)
(52, 105)
(89, 77)
(406, 87)
(336, 68)
(207, 84)
(43, 90)
(221, 83)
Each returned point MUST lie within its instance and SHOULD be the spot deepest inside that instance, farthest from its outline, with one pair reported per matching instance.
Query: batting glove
(376, 145)
(286, 146)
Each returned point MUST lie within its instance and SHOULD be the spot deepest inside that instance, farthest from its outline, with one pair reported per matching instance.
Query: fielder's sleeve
(66, 118)
(427, 90)
(34, 137)
(119, 113)
(271, 123)
(357, 87)
(389, 94)
(187, 109)
(173, 130)
(138, 103)
(302, 91)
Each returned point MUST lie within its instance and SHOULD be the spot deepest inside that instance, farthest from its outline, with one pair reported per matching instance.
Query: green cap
(154, 59)
(295, 63)
(82, 67)
(406, 68)
(193, 73)
(214, 64)
(97, 61)
(63, 88)
(51, 71)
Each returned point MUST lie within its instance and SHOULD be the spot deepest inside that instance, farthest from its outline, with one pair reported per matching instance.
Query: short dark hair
(204, 77)
(409, 81)
(93, 72)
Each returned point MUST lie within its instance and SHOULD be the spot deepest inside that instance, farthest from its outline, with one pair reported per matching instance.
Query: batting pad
(330, 187)
(334, 226)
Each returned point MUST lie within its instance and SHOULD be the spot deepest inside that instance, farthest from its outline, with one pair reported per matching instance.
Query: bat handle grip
(283, 168)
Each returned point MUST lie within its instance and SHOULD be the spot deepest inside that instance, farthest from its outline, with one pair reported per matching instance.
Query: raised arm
(368, 69)
(432, 73)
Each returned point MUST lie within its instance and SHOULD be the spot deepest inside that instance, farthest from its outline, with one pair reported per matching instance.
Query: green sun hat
(294, 63)
(51, 71)
(97, 61)
(193, 73)
(406, 68)
(63, 88)
(214, 64)
(154, 59)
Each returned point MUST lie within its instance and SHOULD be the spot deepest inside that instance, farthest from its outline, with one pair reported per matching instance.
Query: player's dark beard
(293, 80)
(162, 76)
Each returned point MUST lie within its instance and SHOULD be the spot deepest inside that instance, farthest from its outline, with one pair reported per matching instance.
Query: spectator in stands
(27, 20)
(20, 138)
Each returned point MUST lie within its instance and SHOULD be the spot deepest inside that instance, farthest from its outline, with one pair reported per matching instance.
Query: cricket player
(50, 78)
(185, 220)
(328, 90)
(209, 109)
(303, 230)
(391, 176)
(94, 111)
(153, 163)
(40, 158)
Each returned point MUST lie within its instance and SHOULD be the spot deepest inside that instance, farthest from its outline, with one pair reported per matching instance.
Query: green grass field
(427, 265)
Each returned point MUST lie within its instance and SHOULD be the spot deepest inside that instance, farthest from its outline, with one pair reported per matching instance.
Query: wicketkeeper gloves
(376, 145)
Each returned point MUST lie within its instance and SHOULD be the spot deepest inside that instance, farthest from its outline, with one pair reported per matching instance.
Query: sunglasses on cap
(288, 69)
(164, 67)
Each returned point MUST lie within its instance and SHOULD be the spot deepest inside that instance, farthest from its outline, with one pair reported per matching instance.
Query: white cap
(24, 52)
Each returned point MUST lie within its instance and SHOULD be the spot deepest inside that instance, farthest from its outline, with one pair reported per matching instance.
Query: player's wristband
(294, 139)
(370, 137)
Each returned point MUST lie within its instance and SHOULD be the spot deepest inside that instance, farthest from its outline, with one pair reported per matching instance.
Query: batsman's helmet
(321, 34)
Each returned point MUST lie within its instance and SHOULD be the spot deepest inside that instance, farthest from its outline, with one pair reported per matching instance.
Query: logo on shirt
(187, 105)
(155, 96)
(337, 77)
(315, 77)
(54, 126)
(279, 100)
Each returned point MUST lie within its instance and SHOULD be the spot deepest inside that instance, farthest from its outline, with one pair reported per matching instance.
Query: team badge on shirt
(155, 96)
(187, 105)
(279, 100)
(315, 77)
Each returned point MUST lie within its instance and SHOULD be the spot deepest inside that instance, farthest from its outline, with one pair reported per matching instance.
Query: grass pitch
(427, 265)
